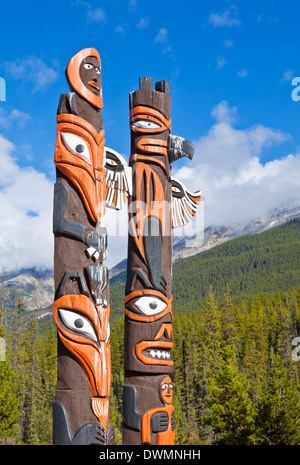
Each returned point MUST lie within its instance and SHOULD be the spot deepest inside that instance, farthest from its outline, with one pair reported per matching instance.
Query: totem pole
(157, 204)
(89, 177)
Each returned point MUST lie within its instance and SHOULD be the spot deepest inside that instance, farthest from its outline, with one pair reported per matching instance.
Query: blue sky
(230, 65)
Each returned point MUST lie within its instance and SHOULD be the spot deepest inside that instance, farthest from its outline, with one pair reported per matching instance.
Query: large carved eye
(177, 190)
(97, 70)
(145, 124)
(77, 146)
(150, 305)
(112, 161)
(78, 323)
(88, 66)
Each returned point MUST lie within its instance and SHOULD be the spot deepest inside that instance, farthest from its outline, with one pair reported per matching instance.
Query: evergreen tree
(278, 410)
(8, 402)
(231, 410)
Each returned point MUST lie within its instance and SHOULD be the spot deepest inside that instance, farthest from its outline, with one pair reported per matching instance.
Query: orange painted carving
(74, 76)
(89, 340)
(84, 166)
(163, 437)
(100, 406)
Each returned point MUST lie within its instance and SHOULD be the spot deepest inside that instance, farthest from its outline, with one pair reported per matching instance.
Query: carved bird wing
(118, 179)
(184, 203)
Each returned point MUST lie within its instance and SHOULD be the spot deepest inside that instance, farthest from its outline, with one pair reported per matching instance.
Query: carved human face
(90, 74)
(149, 332)
(166, 392)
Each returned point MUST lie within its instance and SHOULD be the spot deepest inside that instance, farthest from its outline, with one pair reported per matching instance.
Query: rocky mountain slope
(36, 287)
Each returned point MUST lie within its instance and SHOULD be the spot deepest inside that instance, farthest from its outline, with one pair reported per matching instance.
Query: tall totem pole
(157, 204)
(89, 178)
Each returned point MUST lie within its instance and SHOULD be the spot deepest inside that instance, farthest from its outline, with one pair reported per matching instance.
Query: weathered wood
(148, 413)
(81, 308)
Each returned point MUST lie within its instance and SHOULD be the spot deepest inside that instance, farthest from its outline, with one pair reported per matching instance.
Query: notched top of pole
(158, 98)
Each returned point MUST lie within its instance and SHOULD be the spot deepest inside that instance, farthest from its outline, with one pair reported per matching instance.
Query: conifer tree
(231, 410)
(8, 402)
(278, 410)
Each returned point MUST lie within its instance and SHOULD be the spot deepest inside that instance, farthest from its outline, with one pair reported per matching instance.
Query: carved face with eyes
(84, 330)
(90, 74)
(166, 390)
(149, 330)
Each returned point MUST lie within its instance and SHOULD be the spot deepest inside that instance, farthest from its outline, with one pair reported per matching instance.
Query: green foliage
(236, 311)
(278, 410)
(231, 409)
(8, 402)
(266, 262)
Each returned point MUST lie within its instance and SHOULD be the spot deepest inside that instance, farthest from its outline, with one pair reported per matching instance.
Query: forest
(236, 350)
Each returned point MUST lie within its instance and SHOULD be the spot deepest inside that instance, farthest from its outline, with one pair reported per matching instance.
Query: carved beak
(179, 147)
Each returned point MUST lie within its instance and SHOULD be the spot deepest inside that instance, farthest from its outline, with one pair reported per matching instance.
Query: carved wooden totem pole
(157, 204)
(89, 178)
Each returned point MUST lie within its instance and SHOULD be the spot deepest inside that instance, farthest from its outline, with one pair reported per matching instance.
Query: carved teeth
(159, 354)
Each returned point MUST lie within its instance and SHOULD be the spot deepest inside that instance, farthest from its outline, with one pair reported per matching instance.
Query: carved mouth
(154, 352)
(158, 354)
(93, 84)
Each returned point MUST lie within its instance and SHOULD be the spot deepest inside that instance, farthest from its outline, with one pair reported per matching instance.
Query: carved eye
(97, 70)
(111, 162)
(177, 190)
(78, 323)
(145, 124)
(150, 305)
(77, 146)
(88, 66)
(165, 385)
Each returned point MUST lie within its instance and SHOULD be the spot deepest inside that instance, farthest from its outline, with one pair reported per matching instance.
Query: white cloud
(242, 73)
(288, 75)
(223, 113)
(161, 36)
(119, 30)
(226, 19)
(97, 15)
(33, 70)
(14, 117)
(228, 43)
(237, 186)
(25, 212)
(26, 209)
(143, 23)
(221, 62)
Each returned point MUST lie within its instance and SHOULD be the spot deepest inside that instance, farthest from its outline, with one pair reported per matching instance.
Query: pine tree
(8, 402)
(278, 410)
(231, 410)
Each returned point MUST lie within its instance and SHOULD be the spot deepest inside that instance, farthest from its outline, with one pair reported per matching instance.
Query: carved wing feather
(184, 203)
(118, 179)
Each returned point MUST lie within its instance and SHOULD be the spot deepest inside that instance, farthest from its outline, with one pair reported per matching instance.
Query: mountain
(36, 286)
(216, 235)
(256, 263)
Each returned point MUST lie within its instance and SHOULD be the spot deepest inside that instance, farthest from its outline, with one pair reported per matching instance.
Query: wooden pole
(148, 412)
(86, 177)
